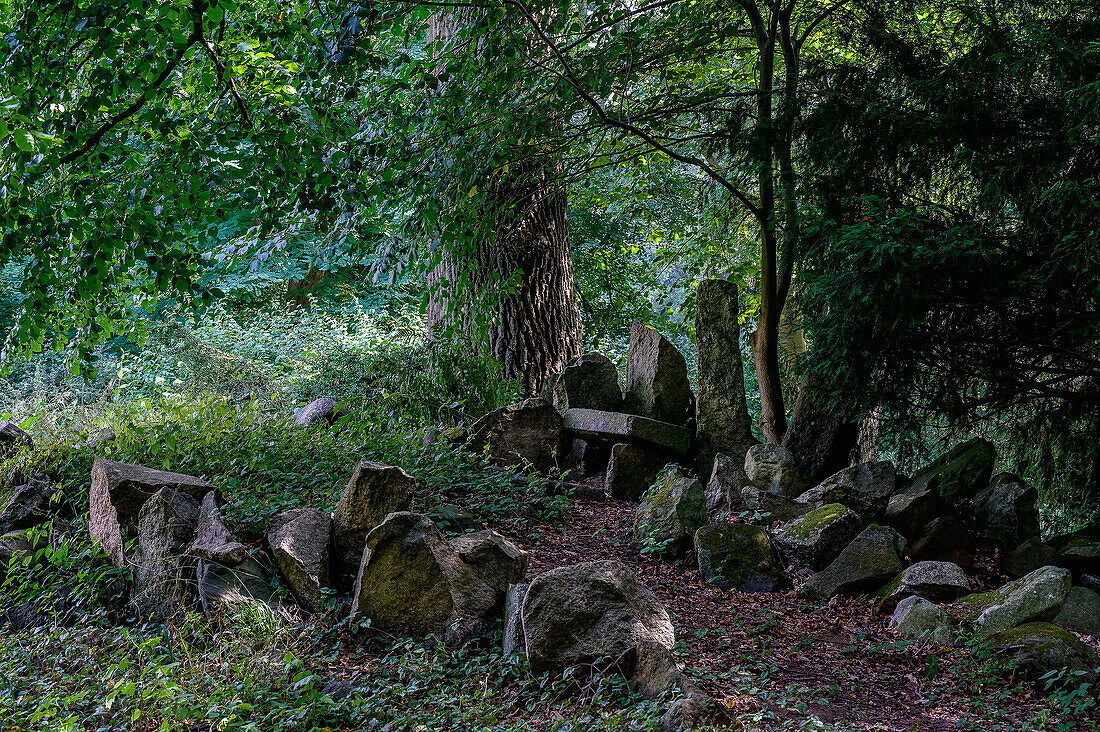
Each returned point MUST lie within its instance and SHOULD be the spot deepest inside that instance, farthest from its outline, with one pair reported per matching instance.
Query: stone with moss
(739, 556)
(1039, 648)
(1079, 551)
(818, 537)
(1081, 612)
(934, 581)
(909, 513)
(916, 617)
(871, 559)
(963, 470)
(1039, 595)
(670, 511)
(864, 488)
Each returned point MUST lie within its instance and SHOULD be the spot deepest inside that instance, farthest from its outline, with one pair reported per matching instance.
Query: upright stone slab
(528, 433)
(161, 563)
(213, 541)
(772, 468)
(590, 381)
(656, 378)
(723, 490)
(373, 492)
(819, 437)
(1006, 512)
(629, 472)
(909, 513)
(963, 470)
(300, 540)
(722, 421)
(118, 492)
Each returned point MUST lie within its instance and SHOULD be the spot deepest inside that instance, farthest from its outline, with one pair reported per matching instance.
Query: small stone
(872, 558)
(771, 506)
(23, 507)
(656, 378)
(629, 472)
(230, 587)
(934, 581)
(1081, 612)
(1039, 648)
(1028, 557)
(817, 538)
(916, 617)
(587, 458)
(590, 381)
(739, 556)
(945, 539)
(12, 438)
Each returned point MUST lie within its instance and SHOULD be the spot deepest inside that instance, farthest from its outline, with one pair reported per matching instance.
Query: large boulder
(963, 470)
(118, 492)
(598, 610)
(934, 581)
(1079, 551)
(12, 438)
(1006, 512)
(630, 471)
(670, 511)
(528, 433)
(656, 378)
(162, 565)
(772, 468)
(774, 508)
(722, 423)
(23, 507)
(864, 488)
(319, 411)
(1037, 649)
(909, 512)
(236, 587)
(590, 381)
(1039, 595)
(1028, 557)
(1081, 612)
(739, 556)
(916, 617)
(213, 540)
(373, 492)
(872, 558)
(723, 491)
(815, 539)
(300, 539)
(945, 539)
(819, 437)
(619, 427)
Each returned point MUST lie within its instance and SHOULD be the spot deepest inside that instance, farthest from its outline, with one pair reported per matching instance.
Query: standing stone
(864, 488)
(722, 421)
(319, 411)
(739, 556)
(629, 472)
(656, 378)
(1081, 612)
(819, 437)
(300, 540)
(213, 541)
(1006, 512)
(528, 433)
(772, 468)
(670, 511)
(577, 614)
(723, 490)
(872, 558)
(12, 438)
(512, 639)
(161, 562)
(817, 538)
(590, 381)
(373, 492)
(232, 586)
(963, 470)
(117, 494)
(934, 581)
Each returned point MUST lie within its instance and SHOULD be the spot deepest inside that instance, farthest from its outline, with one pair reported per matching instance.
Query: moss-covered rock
(872, 558)
(1039, 595)
(916, 617)
(670, 511)
(1038, 648)
(864, 488)
(818, 537)
(738, 556)
(963, 470)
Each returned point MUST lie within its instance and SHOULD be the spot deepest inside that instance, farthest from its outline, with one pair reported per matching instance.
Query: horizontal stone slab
(619, 427)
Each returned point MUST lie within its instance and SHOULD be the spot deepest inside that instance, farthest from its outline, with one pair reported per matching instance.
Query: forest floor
(792, 659)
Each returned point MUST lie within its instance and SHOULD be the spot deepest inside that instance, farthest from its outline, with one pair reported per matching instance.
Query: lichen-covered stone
(512, 639)
(772, 468)
(528, 433)
(934, 581)
(723, 490)
(656, 378)
(1006, 512)
(492, 558)
(162, 566)
(373, 492)
(771, 506)
(670, 511)
(817, 538)
(909, 512)
(963, 470)
(1039, 595)
(916, 617)
(739, 556)
(300, 539)
(1081, 612)
(590, 381)
(1038, 648)
(871, 559)
(864, 488)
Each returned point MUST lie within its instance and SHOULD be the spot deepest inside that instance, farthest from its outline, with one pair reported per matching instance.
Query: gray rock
(864, 488)
(722, 423)
(299, 541)
(1091, 582)
(117, 494)
(319, 411)
(670, 511)
(528, 433)
(1081, 612)
(723, 490)
(739, 556)
(213, 541)
(599, 610)
(12, 438)
(1028, 557)
(512, 640)
(1039, 595)
(234, 587)
(656, 378)
(945, 539)
(492, 558)
(964, 470)
(916, 617)
(772, 468)
(590, 381)
(775, 507)
(618, 427)
(934, 581)
(1039, 648)
(23, 507)
(373, 492)
(909, 513)
(815, 539)
(819, 437)
(630, 472)
(162, 566)
(872, 558)
(1006, 512)
(1079, 551)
